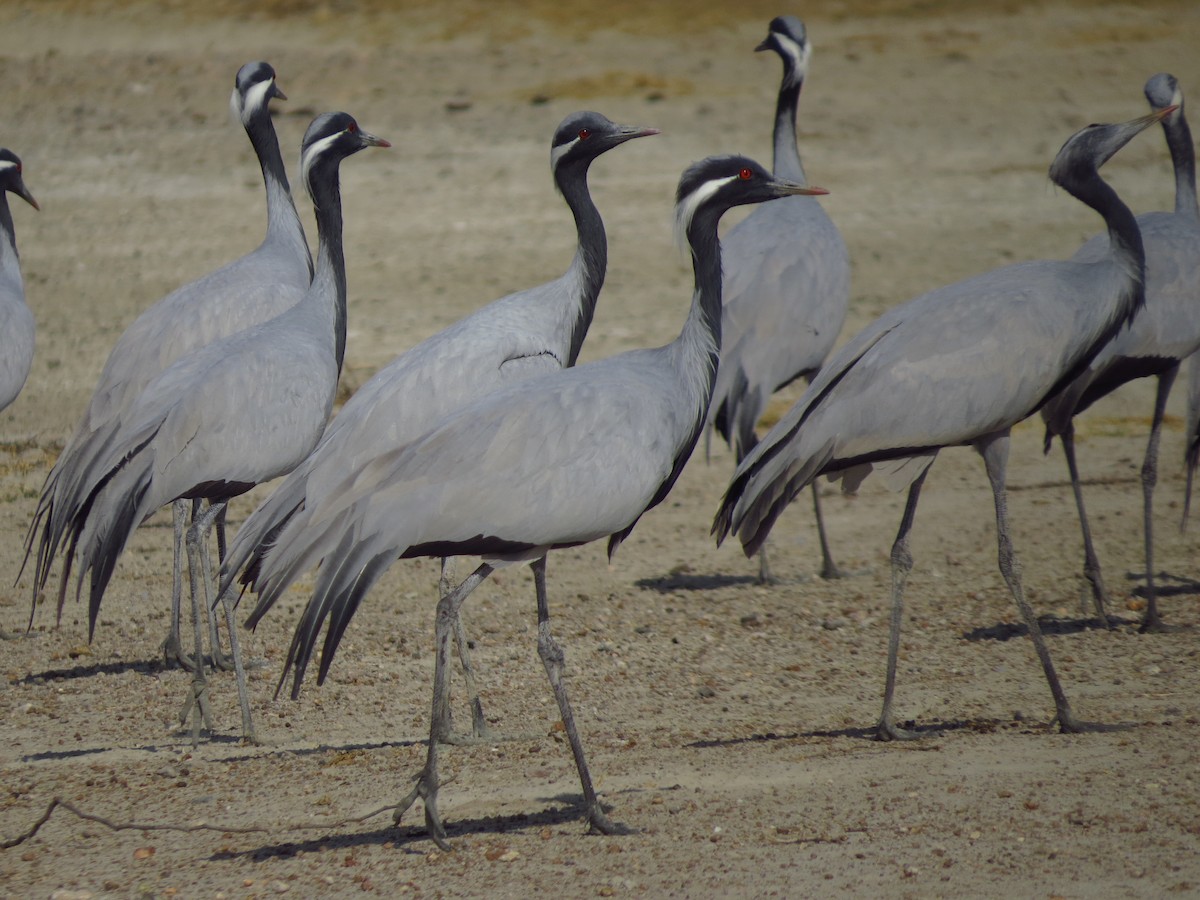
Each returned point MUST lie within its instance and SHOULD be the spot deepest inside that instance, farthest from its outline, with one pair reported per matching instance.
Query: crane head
(10, 177)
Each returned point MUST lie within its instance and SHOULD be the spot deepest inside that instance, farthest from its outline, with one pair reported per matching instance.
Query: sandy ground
(729, 723)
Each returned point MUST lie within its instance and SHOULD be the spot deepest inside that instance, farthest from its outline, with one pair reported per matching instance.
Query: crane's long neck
(283, 222)
(787, 155)
(591, 255)
(329, 277)
(10, 263)
(1183, 157)
(700, 340)
(1124, 237)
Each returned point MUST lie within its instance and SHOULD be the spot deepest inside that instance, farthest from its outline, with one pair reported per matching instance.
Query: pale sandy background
(726, 721)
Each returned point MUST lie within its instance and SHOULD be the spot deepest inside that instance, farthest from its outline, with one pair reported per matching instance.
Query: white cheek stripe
(7, 165)
(557, 153)
(257, 97)
(797, 56)
(310, 154)
(687, 207)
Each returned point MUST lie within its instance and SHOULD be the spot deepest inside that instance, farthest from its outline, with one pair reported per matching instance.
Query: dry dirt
(729, 723)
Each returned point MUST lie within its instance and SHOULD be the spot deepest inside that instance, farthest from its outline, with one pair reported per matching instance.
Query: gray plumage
(524, 334)
(786, 283)
(1158, 339)
(246, 292)
(555, 461)
(937, 372)
(16, 319)
(238, 411)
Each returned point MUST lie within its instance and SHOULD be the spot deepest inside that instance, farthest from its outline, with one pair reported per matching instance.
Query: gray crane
(16, 319)
(787, 286)
(235, 413)
(557, 461)
(524, 334)
(938, 371)
(1157, 341)
(246, 292)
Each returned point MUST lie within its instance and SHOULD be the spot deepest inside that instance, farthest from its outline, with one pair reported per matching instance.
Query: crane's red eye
(745, 174)
(352, 127)
(584, 134)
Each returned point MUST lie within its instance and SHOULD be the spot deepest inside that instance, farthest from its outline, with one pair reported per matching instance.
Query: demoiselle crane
(524, 334)
(16, 319)
(938, 372)
(1158, 339)
(787, 285)
(250, 290)
(552, 462)
(235, 413)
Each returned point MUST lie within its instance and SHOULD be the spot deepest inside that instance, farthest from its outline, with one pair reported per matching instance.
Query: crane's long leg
(443, 718)
(1151, 620)
(222, 543)
(764, 569)
(995, 457)
(1091, 563)
(552, 658)
(201, 582)
(902, 562)
(214, 515)
(239, 670)
(197, 701)
(172, 648)
(829, 569)
(426, 787)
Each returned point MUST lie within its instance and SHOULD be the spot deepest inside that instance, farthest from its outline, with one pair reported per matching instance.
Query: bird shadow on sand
(260, 752)
(690, 581)
(567, 810)
(168, 746)
(139, 666)
(1166, 584)
(1006, 631)
(925, 729)
(871, 733)
(669, 584)
(242, 752)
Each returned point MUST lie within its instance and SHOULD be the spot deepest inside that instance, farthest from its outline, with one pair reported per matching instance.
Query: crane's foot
(426, 790)
(831, 572)
(173, 654)
(599, 823)
(888, 730)
(1068, 724)
(481, 732)
(221, 661)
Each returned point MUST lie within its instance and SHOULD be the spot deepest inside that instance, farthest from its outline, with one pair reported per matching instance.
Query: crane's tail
(346, 576)
(296, 545)
(80, 472)
(260, 532)
(760, 492)
(117, 517)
